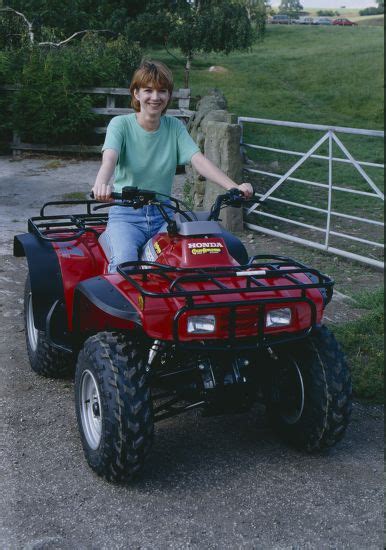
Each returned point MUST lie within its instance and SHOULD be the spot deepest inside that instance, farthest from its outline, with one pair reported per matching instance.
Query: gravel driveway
(211, 483)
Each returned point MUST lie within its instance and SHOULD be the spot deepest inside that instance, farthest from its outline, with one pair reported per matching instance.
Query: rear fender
(45, 278)
(99, 306)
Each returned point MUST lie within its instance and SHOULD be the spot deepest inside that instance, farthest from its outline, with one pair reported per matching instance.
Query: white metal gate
(330, 137)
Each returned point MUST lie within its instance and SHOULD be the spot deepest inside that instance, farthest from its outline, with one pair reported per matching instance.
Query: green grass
(363, 343)
(53, 164)
(325, 75)
(74, 196)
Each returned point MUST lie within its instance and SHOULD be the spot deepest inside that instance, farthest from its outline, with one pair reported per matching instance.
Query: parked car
(281, 20)
(322, 21)
(343, 22)
(304, 20)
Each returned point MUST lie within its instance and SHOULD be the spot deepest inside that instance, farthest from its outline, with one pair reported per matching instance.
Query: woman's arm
(210, 171)
(102, 189)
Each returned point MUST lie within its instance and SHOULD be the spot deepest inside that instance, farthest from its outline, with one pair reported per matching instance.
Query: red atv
(193, 323)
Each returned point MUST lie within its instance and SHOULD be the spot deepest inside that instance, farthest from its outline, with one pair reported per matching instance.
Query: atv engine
(226, 383)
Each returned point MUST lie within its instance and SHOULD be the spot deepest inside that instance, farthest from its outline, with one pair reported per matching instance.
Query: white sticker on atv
(205, 245)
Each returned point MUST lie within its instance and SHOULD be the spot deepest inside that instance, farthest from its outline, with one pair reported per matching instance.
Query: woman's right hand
(102, 192)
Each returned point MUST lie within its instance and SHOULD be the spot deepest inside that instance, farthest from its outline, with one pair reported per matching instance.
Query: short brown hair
(154, 73)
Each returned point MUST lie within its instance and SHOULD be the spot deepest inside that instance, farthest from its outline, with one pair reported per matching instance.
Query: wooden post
(184, 98)
(110, 101)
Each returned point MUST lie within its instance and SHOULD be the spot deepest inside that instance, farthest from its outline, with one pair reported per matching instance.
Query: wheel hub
(90, 409)
(95, 408)
(32, 332)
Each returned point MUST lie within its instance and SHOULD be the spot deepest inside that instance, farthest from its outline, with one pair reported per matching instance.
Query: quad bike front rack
(255, 273)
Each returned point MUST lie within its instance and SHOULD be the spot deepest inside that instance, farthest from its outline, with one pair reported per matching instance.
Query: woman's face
(152, 100)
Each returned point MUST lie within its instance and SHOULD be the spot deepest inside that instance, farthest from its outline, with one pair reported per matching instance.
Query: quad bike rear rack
(258, 269)
(66, 227)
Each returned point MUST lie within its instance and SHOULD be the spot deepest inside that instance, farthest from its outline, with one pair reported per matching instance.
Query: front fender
(98, 306)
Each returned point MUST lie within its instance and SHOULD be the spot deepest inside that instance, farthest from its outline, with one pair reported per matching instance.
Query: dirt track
(223, 482)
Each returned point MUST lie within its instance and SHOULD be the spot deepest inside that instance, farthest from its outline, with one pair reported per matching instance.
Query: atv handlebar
(137, 198)
(45, 225)
(234, 197)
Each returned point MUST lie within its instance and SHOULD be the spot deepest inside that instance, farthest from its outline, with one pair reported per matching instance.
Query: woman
(143, 149)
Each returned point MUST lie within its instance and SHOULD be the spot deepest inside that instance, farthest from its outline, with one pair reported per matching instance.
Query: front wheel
(113, 405)
(308, 392)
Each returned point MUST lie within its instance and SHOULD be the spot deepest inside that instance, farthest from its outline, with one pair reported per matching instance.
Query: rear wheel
(113, 405)
(308, 392)
(45, 359)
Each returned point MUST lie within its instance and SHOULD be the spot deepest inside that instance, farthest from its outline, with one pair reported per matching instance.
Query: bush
(327, 13)
(372, 11)
(47, 108)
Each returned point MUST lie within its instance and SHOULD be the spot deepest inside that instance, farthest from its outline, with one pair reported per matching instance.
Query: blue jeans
(128, 230)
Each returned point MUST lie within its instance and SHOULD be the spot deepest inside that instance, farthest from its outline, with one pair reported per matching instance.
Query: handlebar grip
(112, 196)
(234, 192)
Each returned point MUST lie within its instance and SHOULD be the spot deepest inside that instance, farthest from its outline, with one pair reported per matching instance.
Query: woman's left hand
(247, 189)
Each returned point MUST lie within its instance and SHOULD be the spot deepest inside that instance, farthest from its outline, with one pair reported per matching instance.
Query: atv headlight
(278, 317)
(201, 324)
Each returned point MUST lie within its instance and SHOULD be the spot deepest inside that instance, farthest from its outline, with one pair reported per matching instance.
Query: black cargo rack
(271, 267)
(71, 226)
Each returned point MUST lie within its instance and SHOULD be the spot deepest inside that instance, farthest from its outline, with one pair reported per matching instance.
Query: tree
(64, 18)
(15, 28)
(292, 8)
(327, 13)
(257, 13)
(196, 26)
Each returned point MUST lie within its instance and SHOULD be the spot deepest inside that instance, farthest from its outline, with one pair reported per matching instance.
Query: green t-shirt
(148, 160)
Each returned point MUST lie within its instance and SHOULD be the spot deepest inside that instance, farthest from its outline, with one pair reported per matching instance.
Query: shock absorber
(154, 350)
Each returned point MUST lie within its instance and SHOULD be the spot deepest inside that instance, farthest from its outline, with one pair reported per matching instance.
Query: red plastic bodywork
(82, 259)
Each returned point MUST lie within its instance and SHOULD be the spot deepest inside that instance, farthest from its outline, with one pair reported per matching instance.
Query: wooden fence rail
(182, 96)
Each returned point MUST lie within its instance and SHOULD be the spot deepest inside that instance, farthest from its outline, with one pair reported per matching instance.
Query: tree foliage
(13, 31)
(47, 106)
(373, 10)
(70, 16)
(290, 7)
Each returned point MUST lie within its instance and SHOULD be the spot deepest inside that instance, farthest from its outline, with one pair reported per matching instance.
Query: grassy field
(328, 75)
